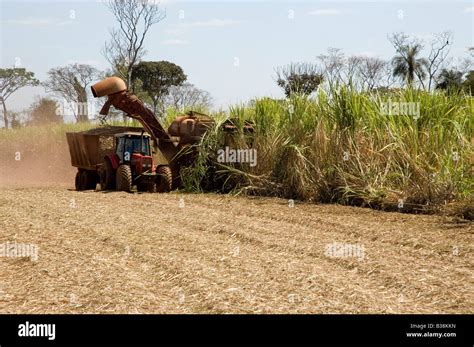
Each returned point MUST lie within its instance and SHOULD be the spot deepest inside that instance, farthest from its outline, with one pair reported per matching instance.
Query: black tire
(124, 178)
(164, 180)
(78, 180)
(89, 180)
(95, 182)
(107, 176)
(84, 180)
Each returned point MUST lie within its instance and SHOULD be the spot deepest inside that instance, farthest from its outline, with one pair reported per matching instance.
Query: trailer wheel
(78, 180)
(164, 181)
(124, 178)
(92, 180)
(87, 180)
(107, 176)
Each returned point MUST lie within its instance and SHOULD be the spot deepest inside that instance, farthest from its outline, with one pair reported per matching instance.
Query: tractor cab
(134, 149)
(130, 143)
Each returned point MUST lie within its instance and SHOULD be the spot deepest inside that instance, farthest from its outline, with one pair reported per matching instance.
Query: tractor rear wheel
(107, 176)
(124, 178)
(164, 181)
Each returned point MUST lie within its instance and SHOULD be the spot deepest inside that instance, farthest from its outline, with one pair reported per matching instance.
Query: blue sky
(214, 34)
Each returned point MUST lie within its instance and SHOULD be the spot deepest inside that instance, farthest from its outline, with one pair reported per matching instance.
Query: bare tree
(187, 95)
(438, 53)
(333, 64)
(371, 71)
(125, 48)
(387, 75)
(351, 70)
(70, 83)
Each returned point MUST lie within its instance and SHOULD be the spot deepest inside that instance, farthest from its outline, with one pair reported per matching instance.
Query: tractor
(132, 164)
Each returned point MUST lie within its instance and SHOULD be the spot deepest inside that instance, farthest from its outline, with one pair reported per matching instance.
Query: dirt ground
(115, 252)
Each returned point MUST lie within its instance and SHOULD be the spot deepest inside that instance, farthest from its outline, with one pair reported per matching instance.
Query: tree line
(435, 70)
(161, 84)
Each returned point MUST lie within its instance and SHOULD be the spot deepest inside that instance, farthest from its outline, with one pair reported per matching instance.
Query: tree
(468, 83)
(406, 65)
(187, 95)
(70, 83)
(10, 81)
(334, 63)
(438, 54)
(15, 119)
(352, 69)
(156, 79)
(125, 48)
(44, 111)
(449, 79)
(302, 78)
(371, 71)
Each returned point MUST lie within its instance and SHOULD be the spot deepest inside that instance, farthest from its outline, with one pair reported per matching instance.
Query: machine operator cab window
(128, 144)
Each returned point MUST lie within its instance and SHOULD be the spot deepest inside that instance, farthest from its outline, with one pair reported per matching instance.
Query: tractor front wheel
(164, 181)
(124, 178)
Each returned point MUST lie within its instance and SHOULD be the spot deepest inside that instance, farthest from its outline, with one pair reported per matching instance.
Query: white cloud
(175, 42)
(325, 12)
(29, 21)
(211, 23)
(37, 21)
(469, 9)
(85, 62)
(66, 22)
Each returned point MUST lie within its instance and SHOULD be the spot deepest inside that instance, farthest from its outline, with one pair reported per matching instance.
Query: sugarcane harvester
(149, 158)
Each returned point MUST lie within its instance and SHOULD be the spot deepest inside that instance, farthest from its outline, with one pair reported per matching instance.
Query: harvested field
(202, 253)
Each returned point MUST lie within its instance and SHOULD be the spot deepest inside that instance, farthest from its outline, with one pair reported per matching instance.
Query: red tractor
(118, 158)
(133, 164)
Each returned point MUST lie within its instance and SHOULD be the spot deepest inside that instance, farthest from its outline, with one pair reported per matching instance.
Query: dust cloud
(28, 161)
